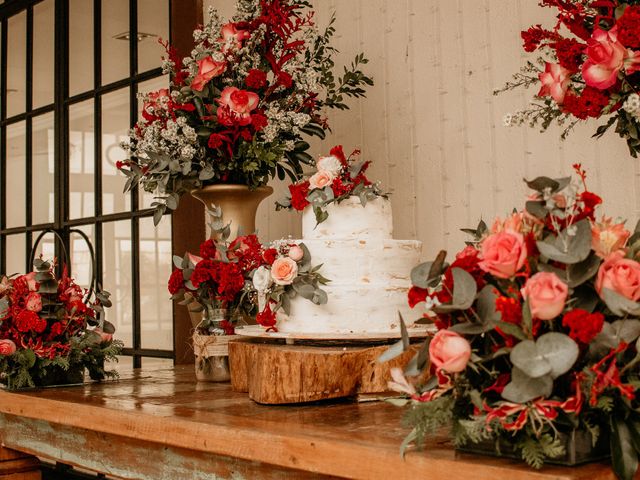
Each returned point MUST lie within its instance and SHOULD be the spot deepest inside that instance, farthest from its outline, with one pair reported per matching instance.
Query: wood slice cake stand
(284, 368)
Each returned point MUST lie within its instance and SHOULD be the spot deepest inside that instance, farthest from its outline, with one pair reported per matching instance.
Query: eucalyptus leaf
(553, 353)
(624, 458)
(572, 245)
(464, 292)
(523, 388)
(540, 184)
(618, 304)
(578, 273)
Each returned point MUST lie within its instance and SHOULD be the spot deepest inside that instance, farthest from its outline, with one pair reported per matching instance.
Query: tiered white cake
(368, 269)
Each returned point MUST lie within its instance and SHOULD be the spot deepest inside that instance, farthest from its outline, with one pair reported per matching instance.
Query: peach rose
(7, 347)
(503, 254)
(622, 275)
(236, 106)
(34, 302)
(296, 253)
(284, 270)
(547, 295)
(449, 351)
(208, 69)
(607, 237)
(606, 56)
(555, 80)
(321, 179)
(231, 37)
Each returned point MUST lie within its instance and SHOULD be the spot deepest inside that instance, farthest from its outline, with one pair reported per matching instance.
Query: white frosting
(369, 272)
(348, 220)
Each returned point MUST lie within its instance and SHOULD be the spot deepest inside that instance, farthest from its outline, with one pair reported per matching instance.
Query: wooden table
(162, 425)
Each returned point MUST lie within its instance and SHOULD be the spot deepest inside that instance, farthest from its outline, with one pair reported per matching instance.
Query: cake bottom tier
(363, 309)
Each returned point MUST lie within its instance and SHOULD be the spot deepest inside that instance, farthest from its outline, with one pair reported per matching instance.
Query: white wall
(433, 128)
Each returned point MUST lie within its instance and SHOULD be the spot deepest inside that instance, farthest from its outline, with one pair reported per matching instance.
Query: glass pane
(16, 175)
(156, 313)
(115, 40)
(153, 23)
(116, 264)
(43, 169)
(81, 160)
(43, 53)
(80, 46)
(47, 247)
(115, 126)
(16, 253)
(81, 265)
(156, 363)
(16, 64)
(145, 198)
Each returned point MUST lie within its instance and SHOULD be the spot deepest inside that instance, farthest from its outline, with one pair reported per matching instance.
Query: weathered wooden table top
(167, 410)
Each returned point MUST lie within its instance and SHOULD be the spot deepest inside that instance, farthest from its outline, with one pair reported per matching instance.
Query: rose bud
(449, 351)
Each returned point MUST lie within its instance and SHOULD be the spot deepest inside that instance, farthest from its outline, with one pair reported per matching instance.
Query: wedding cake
(369, 271)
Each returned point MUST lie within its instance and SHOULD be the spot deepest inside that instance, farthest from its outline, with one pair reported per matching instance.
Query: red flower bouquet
(335, 178)
(44, 329)
(240, 105)
(538, 333)
(588, 68)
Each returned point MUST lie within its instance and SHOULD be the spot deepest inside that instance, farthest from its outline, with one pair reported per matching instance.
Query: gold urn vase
(239, 204)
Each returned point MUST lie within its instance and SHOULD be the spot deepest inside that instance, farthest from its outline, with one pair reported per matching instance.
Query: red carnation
(339, 188)
(588, 104)
(629, 27)
(299, 192)
(259, 121)
(202, 272)
(417, 295)
(267, 318)
(27, 321)
(215, 140)
(569, 52)
(584, 326)
(176, 282)
(208, 249)
(270, 255)
(246, 135)
(256, 79)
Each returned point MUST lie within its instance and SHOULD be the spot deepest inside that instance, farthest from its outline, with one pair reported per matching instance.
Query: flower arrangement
(537, 332)
(239, 106)
(244, 277)
(335, 178)
(44, 330)
(587, 69)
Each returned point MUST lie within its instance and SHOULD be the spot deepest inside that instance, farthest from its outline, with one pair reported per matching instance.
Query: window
(71, 72)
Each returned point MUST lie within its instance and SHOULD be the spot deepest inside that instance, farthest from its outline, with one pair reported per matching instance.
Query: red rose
(267, 318)
(259, 121)
(299, 192)
(285, 79)
(584, 326)
(208, 69)
(256, 79)
(270, 255)
(208, 249)
(215, 140)
(236, 106)
(176, 282)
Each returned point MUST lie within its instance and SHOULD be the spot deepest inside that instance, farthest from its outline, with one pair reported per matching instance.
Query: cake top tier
(350, 220)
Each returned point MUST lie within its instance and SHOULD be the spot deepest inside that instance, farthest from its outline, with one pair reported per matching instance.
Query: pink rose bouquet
(538, 335)
(587, 68)
(240, 106)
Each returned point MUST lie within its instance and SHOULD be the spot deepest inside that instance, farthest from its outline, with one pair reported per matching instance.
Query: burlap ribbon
(207, 346)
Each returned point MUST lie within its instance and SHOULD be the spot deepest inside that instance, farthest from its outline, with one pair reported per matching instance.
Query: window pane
(115, 40)
(81, 264)
(80, 46)
(47, 248)
(81, 160)
(116, 264)
(16, 64)
(43, 53)
(155, 268)
(16, 175)
(153, 23)
(16, 253)
(145, 198)
(43, 169)
(115, 127)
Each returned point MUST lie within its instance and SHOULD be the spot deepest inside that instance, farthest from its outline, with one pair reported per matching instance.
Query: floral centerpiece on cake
(240, 105)
(537, 333)
(335, 178)
(49, 334)
(588, 68)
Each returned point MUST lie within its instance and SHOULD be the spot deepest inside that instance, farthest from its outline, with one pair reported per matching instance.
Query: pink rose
(231, 37)
(34, 302)
(236, 106)
(104, 337)
(208, 69)
(547, 295)
(622, 275)
(503, 254)
(607, 237)
(284, 270)
(32, 283)
(296, 253)
(606, 56)
(7, 347)
(321, 179)
(449, 351)
(555, 80)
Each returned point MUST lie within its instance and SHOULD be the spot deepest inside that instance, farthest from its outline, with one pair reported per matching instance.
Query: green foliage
(429, 417)
(473, 430)
(535, 450)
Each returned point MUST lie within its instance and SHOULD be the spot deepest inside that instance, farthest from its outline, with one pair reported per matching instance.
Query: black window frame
(62, 224)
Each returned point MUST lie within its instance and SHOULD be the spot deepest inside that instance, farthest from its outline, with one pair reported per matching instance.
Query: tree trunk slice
(284, 374)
